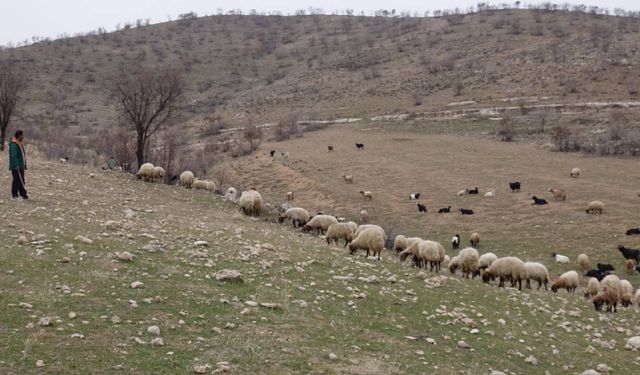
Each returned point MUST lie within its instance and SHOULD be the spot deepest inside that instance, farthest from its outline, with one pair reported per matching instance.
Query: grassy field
(334, 313)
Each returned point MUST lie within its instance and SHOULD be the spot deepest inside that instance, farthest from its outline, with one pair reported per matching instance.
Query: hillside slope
(259, 69)
(70, 304)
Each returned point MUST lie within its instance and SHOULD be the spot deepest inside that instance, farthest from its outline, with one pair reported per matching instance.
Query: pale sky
(22, 19)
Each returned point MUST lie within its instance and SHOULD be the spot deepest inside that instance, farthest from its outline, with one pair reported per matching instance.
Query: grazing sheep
(299, 216)
(560, 258)
(414, 196)
(401, 242)
(627, 293)
(369, 239)
(507, 268)
(272, 152)
(444, 210)
(575, 172)
(463, 192)
(595, 207)
(474, 239)
(610, 293)
(455, 242)
(538, 272)
(473, 191)
(538, 201)
(338, 231)
(629, 266)
(582, 262)
(158, 173)
(484, 262)
(558, 194)
(366, 194)
(353, 225)
(359, 146)
(289, 195)
(568, 280)
(364, 216)
(348, 179)
(330, 148)
(490, 194)
(515, 186)
(64, 160)
(466, 211)
(422, 208)
(468, 260)
(203, 185)
(187, 178)
(251, 202)
(629, 253)
(231, 194)
(633, 232)
(145, 172)
(285, 155)
(593, 287)
(605, 267)
(454, 264)
(363, 227)
(426, 251)
(320, 223)
(445, 261)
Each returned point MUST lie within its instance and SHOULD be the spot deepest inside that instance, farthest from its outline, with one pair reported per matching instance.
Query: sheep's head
(598, 301)
(403, 256)
(281, 219)
(487, 276)
(554, 288)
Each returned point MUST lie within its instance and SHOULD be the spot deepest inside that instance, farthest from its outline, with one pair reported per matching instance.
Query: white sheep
(231, 194)
(560, 258)
(582, 261)
(348, 179)
(445, 261)
(320, 223)
(290, 195)
(568, 280)
(364, 216)
(203, 185)
(463, 192)
(595, 207)
(507, 268)
(474, 239)
(454, 264)
(610, 294)
(367, 195)
(558, 194)
(593, 288)
(187, 178)
(490, 194)
(575, 172)
(538, 272)
(425, 251)
(298, 215)
(369, 239)
(368, 226)
(627, 293)
(468, 261)
(353, 225)
(157, 173)
(145, 172)
(250, 202)
(485, 260)
(338, 231)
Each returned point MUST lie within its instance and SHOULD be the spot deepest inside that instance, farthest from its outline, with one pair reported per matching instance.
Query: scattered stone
(463, 345)
(84, 239)
(228, 275)
(24, 305)
(201, 244)
(633, 343)
(333, 356)
(201, 369)
(590, 372)
(45, 321)
(158, 341)
(124, 256)
(73, 315)
(22, 239)
(153, 330)
(137, 285)
(531, 360)
(602, 367)
(270, 305)
(39, 363)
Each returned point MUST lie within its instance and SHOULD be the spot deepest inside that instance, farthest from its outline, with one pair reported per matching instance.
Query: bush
(561, 137)
(506, 129)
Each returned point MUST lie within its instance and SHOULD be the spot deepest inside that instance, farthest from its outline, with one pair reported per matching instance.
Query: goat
(414, 196)
(538, 201)
(466, 211)
(444, 210)
(422, 208)
(455, 242)
(598, 274)
(633, 232)
(359, 146)
(472, 191)
(629, 253)
(330, 148)
(272, 152)
(515, 186)
(605, 267)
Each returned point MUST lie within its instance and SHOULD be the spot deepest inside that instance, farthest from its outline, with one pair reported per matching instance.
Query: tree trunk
(2, 139)
(140, 150)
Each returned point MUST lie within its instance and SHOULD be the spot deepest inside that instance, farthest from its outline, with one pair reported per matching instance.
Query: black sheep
(538, 201)
(515, 186)
(444, 210)
(359, 146)
(272, 152)
(472, 191)
(466, 211)
(629, 253)
(422, 208)
(605, 267)
(330, 148)
(598, 274)
(633, 232)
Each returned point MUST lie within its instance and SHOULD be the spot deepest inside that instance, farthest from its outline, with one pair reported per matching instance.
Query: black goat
(629, 253)
(272, 152)
(605, 267)
(633, 232)
(330, 148)
(359, 146)
(515, 186)
(638, 268)
(472, 191)
(598, 274)
(466, 211)
(444, 210)
(422, 208)
(414, 196)
(538, 201)
(455, 242)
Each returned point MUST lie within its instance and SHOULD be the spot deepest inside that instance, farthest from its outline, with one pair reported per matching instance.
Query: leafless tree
(253, 135)
(149, 100)
(10, 86)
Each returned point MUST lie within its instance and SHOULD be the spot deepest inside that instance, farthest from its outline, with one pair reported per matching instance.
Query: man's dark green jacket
(16, 157)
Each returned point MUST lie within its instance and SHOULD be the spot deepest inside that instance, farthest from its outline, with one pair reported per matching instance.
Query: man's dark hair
(18, 133)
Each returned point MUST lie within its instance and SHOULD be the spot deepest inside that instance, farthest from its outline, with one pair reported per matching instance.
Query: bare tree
(10, 86)
(149, 100)
(253, 135)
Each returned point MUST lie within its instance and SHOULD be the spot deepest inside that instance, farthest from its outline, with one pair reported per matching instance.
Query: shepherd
(17, 165)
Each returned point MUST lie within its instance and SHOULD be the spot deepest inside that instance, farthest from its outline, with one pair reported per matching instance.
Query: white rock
(532, 360)
(200, 369)
(633, 343)
(24, 305)
(333, 356)
(590, 372)
(158, 341)
(201, 244)
(228, 275)
(137, 285)
(73, 315)
(463, 344)
(39, 363)
(153, 330)
(84, 239)
(602, 367)
(124, 256)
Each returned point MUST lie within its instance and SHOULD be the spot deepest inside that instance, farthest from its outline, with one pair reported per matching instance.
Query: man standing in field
(17, 165)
